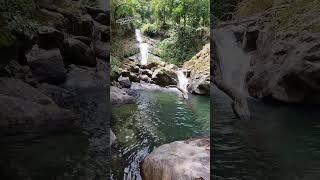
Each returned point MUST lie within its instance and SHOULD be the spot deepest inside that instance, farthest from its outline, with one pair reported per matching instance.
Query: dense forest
(180, 25)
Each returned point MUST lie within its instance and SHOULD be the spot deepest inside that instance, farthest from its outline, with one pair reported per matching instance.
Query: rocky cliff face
(199, 66)
(284, 45)
(285, 66)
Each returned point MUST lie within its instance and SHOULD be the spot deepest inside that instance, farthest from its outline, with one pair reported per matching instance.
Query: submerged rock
(179, 160)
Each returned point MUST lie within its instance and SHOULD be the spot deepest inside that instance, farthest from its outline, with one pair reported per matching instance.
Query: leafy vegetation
(18, 15)
(179, 24)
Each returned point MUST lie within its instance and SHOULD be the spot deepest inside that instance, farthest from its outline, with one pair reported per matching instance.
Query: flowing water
(159, 117)
(234, 62)
(182, 80)
(143, 48)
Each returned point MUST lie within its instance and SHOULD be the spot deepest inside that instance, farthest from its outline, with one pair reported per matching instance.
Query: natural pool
(158, 117)
(280, 142)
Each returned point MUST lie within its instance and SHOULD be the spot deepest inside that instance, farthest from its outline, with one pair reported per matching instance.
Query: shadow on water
(159, 117)
(279, 143)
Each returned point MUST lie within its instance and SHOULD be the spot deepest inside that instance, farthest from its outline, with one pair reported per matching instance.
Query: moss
(250, 7)
(6, 39)
(200, 62)
(315, 28)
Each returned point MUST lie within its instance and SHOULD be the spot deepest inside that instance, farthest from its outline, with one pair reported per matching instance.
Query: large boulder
(199, 84)
(119, 96)
(285, 66)
(179, 160)
(164, 77)
(83, 78)
(21, 116)
(46, 65)
(77, 52)
(19, 89)
(49, 37)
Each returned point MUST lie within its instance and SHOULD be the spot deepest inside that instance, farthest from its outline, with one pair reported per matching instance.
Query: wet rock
(77, 52)
(21, 116)
(199, 84)
(17, 88)
(179, 160)
(47, 65)
(119, 96)
(152, 65)
(164, 77)
(49, 37)
(124, 82)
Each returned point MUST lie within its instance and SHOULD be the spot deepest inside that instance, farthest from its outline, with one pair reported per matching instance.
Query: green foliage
(19, 14)
(181, 47)
(115, 65)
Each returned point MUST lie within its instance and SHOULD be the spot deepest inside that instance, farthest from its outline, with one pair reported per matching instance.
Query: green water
(157, 118)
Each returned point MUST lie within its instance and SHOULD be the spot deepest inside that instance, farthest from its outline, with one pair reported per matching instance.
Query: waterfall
(182, 80)
(143, 48)
(182, 83)
(234, 61)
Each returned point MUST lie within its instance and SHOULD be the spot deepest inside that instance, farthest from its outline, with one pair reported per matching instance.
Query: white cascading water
(182, 82)
(143, 48)
(234, 61)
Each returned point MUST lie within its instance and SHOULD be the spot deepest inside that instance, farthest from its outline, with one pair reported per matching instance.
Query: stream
(158, 117)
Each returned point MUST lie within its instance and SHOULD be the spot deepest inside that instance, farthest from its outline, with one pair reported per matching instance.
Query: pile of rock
(158, 72)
